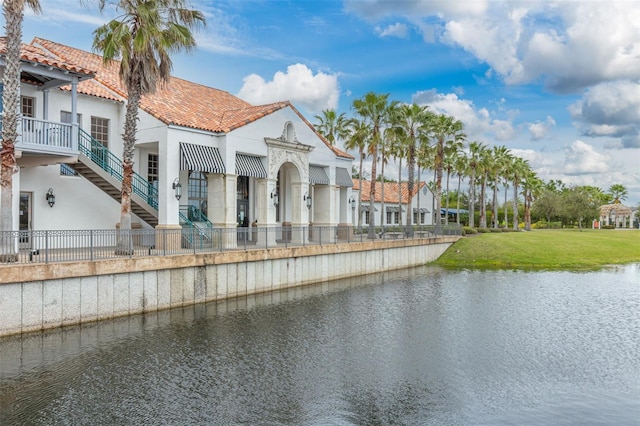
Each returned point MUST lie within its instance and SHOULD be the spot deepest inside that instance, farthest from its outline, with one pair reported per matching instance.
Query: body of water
(424, 346)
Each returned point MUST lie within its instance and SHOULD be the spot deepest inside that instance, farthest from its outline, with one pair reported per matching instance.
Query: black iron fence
(86, 245)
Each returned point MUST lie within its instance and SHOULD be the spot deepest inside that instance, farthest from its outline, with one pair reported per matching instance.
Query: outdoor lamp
(274, 197)
(177, 187)
(51, 198)
(307, 198)
(352, 201)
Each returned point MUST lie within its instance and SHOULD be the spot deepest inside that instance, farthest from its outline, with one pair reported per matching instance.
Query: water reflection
(422, 346)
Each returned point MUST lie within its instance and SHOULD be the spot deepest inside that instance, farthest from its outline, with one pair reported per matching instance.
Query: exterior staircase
(101, 167)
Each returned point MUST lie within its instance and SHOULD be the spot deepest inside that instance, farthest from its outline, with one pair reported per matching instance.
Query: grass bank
(544, 249)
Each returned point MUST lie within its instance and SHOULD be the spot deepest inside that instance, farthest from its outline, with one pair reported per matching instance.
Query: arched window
(289, 133)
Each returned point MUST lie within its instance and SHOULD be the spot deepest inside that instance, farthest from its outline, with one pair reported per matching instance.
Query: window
(422, 216)
(289, 132)
(152, 168)
(389, 216)
(27, 106)
(198, 191)
(100, 130)
(65, 117)
(366, 218)
(396, 217)
(242, 190)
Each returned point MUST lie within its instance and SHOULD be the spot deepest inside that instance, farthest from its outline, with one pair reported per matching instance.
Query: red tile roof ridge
(35, 54)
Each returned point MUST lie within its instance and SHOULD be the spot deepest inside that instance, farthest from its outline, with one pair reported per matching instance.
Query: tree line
(426, 141)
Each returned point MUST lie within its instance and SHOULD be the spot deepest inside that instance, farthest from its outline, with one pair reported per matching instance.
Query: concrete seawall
(40, 296)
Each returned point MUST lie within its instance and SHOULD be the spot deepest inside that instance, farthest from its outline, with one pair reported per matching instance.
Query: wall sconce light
(51, 198)
(274, 197)
(306, 197)
(177, 187)
(352, 202)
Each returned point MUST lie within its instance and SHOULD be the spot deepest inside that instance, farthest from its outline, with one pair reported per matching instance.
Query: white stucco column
(221, 201)
(168, 205)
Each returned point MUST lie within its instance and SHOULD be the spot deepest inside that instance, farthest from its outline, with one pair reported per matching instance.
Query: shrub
(608, 227)
(467, 230)
(484, 230)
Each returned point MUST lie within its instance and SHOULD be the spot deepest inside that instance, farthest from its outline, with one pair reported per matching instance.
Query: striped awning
(365, 208)
(200, 158)
(393, 209)
(422, 210)
(343, 178)
(317, 175)
(248, 165)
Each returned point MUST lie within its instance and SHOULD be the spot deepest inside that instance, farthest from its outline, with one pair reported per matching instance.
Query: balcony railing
(86, 245)
(43, 135)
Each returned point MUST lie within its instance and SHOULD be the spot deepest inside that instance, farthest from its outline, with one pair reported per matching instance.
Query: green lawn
(544, 249)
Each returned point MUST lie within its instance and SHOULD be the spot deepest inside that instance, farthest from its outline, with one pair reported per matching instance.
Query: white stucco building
(236, 164)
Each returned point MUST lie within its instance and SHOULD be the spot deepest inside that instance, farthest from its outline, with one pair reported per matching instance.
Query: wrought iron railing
(86, 245)
(110, 163)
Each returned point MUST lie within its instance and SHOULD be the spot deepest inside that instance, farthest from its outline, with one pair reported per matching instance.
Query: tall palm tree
(519, 170)
(398, 150)
(475, 153)
(358, 138)
(332, 126)
(507, 171)
(460, 167)
(374, 110)
(410, 124)
(499, 164)
(532, 187)
(13, 11)
(452, 151)
(484, 171)
(143, 36)
(441, 128)
(618, 193)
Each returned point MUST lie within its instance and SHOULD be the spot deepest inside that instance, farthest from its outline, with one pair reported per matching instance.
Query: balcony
(42, 142)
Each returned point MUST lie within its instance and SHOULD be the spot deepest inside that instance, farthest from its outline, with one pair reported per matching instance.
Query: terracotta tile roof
(32, 53)
(180, 102)
(390, 191)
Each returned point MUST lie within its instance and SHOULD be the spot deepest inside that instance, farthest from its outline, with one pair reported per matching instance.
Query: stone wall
(40, 296)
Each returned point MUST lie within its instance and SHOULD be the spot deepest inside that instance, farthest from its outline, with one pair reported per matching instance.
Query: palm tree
(499, 164)
(507, 171)
(484, 171)
(452, 151)
(475, 153)
(442, 127)
(519, 170)
(618, 193)
(142, 38)
(332, 126)
(13, 11)
(398, 150)
(532, 187)
(358, 138)
(409, 123)
(460, 167)
(374, 110)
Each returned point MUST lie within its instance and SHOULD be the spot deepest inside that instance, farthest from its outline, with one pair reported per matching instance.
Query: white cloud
(567, 45)
(478, 122)
(582, 158)
(298, 85)
(540, 129)
(395, 30)
(610, 109)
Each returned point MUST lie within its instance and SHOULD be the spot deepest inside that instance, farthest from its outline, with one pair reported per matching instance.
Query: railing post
(46, 245)
(91, 244)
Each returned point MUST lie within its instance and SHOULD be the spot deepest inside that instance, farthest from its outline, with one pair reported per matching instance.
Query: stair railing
(110, 163)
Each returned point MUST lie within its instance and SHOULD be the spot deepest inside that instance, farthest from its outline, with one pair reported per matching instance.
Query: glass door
(25, 219)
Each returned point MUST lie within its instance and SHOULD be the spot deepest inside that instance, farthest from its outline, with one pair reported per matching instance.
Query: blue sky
(556, 82)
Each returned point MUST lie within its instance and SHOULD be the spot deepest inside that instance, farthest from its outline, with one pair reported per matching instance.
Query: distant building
(398, 202)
